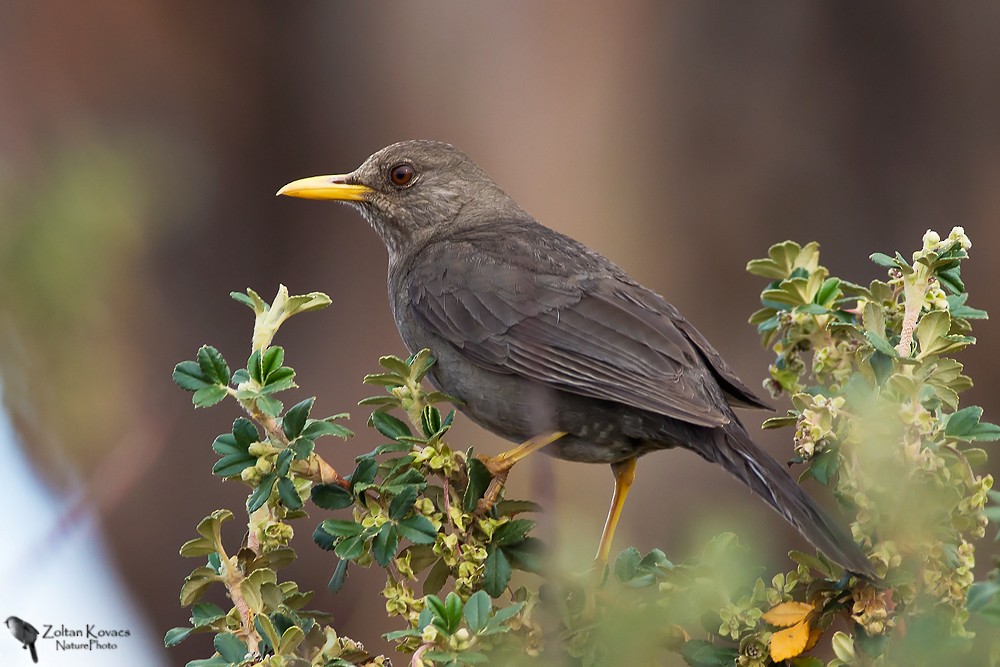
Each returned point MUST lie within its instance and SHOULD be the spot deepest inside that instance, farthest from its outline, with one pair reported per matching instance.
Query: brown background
(141, 144)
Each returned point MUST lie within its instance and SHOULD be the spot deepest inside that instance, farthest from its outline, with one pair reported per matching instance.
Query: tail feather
(736, 451)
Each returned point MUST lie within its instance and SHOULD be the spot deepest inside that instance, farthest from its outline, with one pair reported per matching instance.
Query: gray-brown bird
(25, 633)
(547, 342)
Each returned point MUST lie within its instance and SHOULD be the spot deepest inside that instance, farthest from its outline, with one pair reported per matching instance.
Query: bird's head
(408, 190)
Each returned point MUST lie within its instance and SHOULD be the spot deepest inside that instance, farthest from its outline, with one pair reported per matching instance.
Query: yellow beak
(325, 187)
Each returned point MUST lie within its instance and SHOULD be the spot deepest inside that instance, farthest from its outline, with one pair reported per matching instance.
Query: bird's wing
(591, 334)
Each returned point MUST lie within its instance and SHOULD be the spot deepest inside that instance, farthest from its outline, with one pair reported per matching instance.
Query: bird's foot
(500, 465)
(492, 494)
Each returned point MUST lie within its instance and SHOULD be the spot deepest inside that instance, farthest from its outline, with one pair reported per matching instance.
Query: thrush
(548, 343)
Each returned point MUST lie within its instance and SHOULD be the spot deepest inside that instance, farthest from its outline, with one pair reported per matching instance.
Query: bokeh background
(141, 144)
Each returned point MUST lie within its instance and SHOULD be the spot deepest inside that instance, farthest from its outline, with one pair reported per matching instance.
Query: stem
(231, 579)
(315, 468)
(914, 290)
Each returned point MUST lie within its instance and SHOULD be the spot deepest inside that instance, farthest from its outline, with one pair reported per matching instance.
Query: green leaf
(958, 309)
(985, 432)
(496, 572)
(351, 548)
(295, 419)
(951, 279)
(261, 493)
(394, 364)
(812, 562)
(961, 423)
(283, 461)
(479, 480)
(700, 653)
(189, 376)
(254, 367)
(780, 262)
(824, 465)
(302, 448)
(932, 327)
(884, 260)
(403, 502)
(289, 496)
(384, 380)
(199, 546)
(195, 584)
(526, 555)
(280, 380)
(882, 366)
(505, 613)
(430, 420)
(389, 426)
(208, 396)
(417, 529)
(420, 363)
(436, 605)
(453, 612)
(339, 576)
(392, 401)
(317, 428)
(828, 292)
(230, 647)
(385, 544)
(265, 628)
(627, 564)
(175, 636)
(290, 640)
(214, 661)
(271, 360)
(233, 450)
(341, 528)
(780, 422)
(398, 482)
(212, 365)
(269, 406)
(512, 532)
(437, 577)
(965, 425)
(512, 507)
(365, 472)
(251, 300)
(981, 594)
(304, 303)
(244, 432)
(331, 496)
(206, 613)
(477, 611)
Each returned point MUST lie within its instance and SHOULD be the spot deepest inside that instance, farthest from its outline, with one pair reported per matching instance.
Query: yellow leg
(501, 464)
(624, 476)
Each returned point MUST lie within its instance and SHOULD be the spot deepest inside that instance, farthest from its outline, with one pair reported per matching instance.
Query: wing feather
(592, 337)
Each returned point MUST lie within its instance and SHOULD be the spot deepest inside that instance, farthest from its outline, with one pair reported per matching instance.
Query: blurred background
(141, 144)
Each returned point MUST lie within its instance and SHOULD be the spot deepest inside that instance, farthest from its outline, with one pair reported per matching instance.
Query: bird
(25, 633)
(547, 343)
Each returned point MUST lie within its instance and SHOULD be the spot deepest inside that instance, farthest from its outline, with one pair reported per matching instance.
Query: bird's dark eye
(402, 174)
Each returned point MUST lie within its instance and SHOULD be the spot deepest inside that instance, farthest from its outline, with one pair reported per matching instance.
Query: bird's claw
(492, 494)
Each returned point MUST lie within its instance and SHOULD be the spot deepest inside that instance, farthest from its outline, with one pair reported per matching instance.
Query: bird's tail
(736, 451)
(34, 651)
